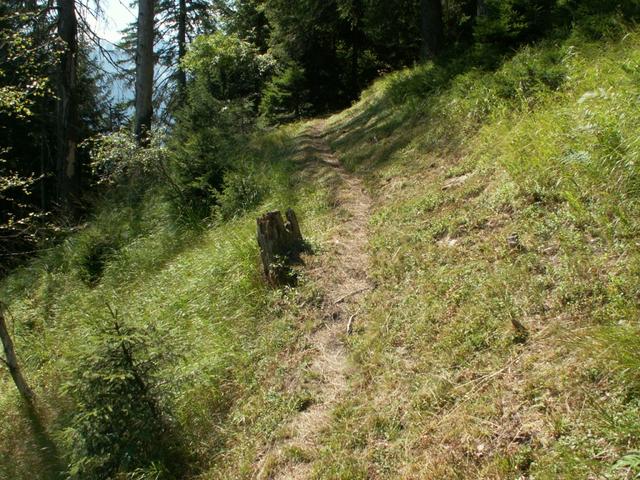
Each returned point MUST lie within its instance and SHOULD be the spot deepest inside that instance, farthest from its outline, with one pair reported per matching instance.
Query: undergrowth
(502, 338)
(195, 297)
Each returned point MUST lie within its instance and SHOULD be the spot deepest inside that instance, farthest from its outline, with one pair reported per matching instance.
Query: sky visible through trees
(117, 15)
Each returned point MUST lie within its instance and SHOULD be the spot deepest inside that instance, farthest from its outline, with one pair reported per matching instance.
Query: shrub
(219, 113)
(598, 27)
(117, 160)
(119, 426)
(201, 148)
(530, 73)
(241, 192)
(92, 254)
(229, 67)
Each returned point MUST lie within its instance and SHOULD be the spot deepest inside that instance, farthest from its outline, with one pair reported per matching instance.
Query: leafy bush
(22, 227)
(119, 426)
(117, 160)
(241, 191)
(219, 112)
(229, 67)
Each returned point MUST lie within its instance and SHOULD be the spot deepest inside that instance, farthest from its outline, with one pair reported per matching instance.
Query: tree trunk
(11, 361)
(432, 28)
(182, 47)
(280, 243)
(356, 44)
(67, 169)
(482, 9)
(144, 70)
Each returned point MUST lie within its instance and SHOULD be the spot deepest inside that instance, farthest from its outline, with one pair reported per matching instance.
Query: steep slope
(469, 311)
(502, 335)
(214, 332)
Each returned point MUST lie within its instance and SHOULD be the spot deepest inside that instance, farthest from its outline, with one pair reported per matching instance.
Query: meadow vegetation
(501, 340)
(502, 335)
(202, 329)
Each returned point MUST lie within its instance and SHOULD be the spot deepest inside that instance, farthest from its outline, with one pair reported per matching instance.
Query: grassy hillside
(501, 340)
(198, 297)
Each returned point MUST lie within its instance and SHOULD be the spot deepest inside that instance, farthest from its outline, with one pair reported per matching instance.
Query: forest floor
(340, 272)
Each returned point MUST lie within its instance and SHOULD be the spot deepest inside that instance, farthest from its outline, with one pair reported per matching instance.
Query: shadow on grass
(388, 125)
(51, 463)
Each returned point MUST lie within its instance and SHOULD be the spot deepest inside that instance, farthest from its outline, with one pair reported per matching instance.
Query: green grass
(460, 159)
(506, 192)
(203, 294)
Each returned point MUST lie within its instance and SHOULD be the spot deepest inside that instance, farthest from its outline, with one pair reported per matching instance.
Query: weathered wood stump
(280, 245)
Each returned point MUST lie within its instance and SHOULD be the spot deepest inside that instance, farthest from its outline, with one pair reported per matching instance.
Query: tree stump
(280, 245)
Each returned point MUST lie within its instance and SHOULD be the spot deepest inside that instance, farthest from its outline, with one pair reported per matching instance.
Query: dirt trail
(340, 271)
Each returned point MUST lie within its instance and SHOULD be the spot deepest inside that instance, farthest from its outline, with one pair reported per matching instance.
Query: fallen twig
(342, 299)
(350, 324)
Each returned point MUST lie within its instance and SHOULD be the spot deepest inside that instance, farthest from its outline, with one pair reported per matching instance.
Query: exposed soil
(340, 272)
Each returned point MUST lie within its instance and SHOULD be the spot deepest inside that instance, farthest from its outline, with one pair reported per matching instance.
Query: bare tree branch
(97, 41)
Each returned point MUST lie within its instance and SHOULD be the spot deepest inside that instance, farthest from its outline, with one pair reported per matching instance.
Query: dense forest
(126, 369)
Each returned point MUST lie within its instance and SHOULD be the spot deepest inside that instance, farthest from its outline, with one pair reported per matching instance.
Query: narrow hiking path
(340, 273)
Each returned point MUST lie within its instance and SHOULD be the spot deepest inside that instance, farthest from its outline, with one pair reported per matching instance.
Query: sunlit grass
(543, 149)
(502, 338)
(200, 289)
